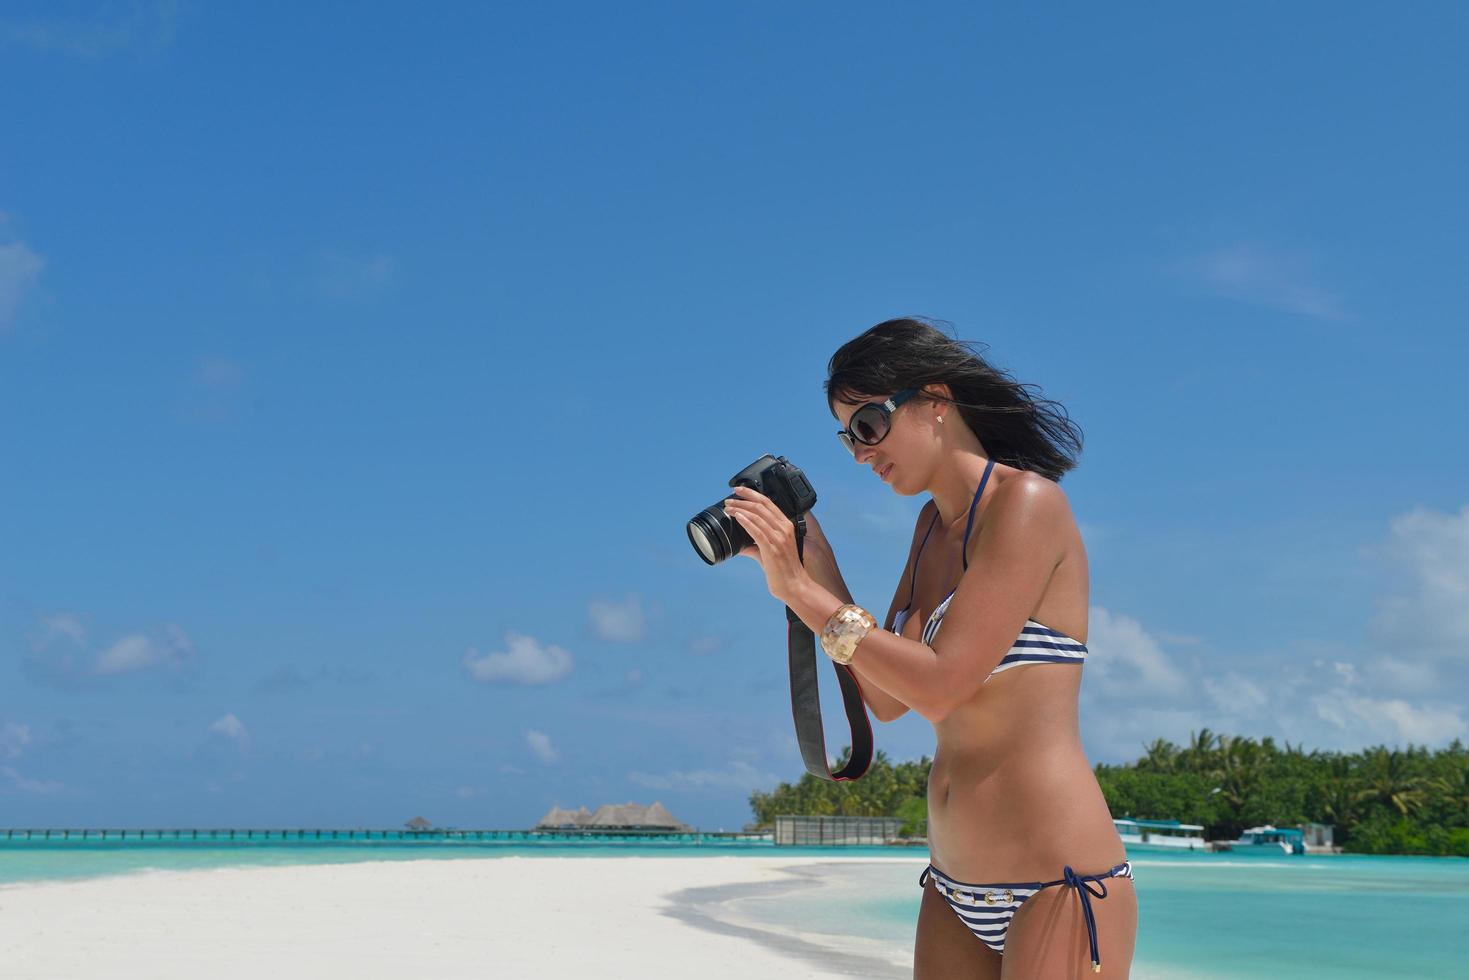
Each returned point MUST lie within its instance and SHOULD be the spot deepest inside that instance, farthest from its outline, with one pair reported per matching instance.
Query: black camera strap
(806, 700)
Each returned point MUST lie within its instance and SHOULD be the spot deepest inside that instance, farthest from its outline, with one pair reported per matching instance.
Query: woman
(1027, 876)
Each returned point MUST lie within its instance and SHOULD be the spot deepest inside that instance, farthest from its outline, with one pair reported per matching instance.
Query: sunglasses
(871, 423)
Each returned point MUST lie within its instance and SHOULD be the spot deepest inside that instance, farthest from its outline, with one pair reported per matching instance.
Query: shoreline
(641, 917)
(700, 907)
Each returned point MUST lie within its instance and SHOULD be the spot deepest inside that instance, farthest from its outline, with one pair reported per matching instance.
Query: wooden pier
(226, 834)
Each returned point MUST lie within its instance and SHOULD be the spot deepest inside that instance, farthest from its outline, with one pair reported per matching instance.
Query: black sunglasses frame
(850, 438)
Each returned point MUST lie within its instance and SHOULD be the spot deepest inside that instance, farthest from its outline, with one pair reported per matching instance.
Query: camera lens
(715, 535)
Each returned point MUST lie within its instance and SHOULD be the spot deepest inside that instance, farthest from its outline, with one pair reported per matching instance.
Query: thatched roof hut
(613, 816)
(556, 817)
(418, 823)
(634, 816)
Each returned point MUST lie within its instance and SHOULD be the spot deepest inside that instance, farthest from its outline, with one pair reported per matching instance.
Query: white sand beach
(507, 917)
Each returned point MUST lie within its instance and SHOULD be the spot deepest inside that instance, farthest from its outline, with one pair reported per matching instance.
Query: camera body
(717, 536)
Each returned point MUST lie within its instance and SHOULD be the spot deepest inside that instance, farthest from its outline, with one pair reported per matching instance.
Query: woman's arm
(821, 564)
(1014, 554)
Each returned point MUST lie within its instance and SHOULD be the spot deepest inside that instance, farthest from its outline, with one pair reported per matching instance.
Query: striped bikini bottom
(988, 909)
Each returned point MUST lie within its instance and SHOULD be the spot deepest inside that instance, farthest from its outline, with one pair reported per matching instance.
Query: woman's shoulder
(1030, 486)
(1030, 500)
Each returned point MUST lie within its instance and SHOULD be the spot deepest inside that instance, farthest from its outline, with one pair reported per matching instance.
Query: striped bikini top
(1037, 644)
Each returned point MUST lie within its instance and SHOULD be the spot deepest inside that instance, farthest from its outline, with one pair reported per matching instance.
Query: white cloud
(60, 656)
(1368, 719)
(144, 26)
(618, 622)
(232, 728)
(525, 662)
(1278, 280)
(1113, 731)
(738, 775)
(52, 629)
(1408, 675)
(1327, 703)
(1403, 684)
(1129, 662)
(1431, 618)
(1236, 693)
(540, 744)
(1093, 534)
(25, 785)
(19, 269)
(138, 652)
(14, 737)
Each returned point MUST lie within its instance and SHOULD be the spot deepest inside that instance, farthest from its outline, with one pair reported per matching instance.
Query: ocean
(1200, 915)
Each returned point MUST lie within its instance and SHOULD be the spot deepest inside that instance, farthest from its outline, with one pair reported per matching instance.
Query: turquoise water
(37, 859)
(1207, 915)
(1200, 915)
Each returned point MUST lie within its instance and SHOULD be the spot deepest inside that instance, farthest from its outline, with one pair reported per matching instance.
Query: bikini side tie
(1084, 891)
(1083, 886)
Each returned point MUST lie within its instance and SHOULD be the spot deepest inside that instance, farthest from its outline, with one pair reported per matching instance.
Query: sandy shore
(511, 917)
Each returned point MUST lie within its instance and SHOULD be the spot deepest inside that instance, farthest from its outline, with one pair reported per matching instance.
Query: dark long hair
(1029, 433)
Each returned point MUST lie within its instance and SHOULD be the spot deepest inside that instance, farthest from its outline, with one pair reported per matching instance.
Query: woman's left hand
(775, 540)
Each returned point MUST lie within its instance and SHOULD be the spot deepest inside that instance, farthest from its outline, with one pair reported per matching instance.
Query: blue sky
(360, 367)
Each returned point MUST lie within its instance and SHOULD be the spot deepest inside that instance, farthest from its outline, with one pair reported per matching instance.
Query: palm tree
(1162, 756)
(1336, 795)
(1388, 778)
(1454, 787)
(1199, 754)
(1239, 764)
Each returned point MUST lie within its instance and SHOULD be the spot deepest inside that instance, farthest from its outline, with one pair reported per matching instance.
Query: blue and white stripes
(985, 909)
(1039, 645)
(1036, 644)
(988, 909)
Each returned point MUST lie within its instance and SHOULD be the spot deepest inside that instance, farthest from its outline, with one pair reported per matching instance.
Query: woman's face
(900, 454)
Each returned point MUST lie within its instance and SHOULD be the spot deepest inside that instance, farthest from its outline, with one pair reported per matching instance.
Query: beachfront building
(614, 816)
(1319, 838)
(799, 830)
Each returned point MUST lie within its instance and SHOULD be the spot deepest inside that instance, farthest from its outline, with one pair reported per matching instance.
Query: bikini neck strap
(975, 503)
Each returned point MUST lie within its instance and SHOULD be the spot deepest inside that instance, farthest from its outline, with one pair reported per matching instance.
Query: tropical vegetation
(1379, 800)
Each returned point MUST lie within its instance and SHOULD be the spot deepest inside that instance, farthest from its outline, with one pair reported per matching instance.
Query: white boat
(1163, 835)
(1268, 841)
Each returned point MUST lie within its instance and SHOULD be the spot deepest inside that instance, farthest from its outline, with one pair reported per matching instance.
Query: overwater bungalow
(558, 819)
(614, 816)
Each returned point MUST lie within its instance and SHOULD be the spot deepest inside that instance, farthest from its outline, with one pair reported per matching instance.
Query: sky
(361, 365)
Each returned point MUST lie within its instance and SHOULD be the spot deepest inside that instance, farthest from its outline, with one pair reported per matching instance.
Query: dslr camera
(717, 536)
